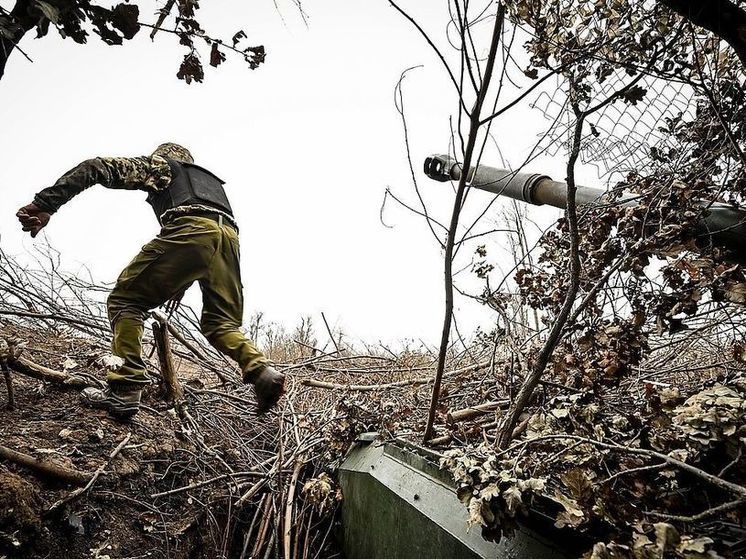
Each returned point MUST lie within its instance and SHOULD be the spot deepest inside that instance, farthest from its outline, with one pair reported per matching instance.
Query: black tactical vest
(190, 185)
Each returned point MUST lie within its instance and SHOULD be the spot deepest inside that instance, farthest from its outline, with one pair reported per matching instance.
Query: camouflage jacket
(150, 173)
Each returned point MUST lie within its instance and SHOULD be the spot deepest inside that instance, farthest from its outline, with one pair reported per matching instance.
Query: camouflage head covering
(174, 151)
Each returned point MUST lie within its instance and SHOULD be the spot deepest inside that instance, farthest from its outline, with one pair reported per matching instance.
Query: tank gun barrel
(720, 223)
(533, 188)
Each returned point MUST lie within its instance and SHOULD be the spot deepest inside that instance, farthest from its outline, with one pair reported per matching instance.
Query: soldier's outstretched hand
(33, 219)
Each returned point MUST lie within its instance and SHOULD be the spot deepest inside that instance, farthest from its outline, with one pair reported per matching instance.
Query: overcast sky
(307, 144)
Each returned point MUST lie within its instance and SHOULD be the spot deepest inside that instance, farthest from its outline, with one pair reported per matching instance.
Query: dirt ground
(208, 478)
(118, 518)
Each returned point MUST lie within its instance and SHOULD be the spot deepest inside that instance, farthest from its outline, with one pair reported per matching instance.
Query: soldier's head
(174, 151)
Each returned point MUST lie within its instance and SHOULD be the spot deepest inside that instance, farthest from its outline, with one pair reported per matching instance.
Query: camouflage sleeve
(148, 173)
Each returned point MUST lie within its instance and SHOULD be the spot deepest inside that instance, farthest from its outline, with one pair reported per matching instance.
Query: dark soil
(118, 518)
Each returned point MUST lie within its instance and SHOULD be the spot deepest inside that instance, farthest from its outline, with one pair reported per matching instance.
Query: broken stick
(44, 467)
(5, 353)
(8, 385)
(31, 369)
(475, 411)
(172, 388)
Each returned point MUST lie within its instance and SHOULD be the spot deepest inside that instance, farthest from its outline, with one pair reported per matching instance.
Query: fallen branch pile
(198, 474)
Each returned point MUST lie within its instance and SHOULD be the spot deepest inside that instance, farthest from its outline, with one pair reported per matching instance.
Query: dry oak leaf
(572, 515)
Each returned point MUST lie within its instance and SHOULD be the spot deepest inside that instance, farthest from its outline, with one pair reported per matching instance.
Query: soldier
(198, 242)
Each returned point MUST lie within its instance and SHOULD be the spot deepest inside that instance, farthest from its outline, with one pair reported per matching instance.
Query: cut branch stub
(4, 354)
(172, 389)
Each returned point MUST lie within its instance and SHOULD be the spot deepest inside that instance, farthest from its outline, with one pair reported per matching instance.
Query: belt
(217, 217)
(214, 216)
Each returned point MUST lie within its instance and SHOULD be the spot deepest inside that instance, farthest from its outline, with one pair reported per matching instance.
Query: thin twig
(78, 492)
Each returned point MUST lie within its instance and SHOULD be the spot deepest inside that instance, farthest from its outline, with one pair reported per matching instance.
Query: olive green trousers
(188, 249)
